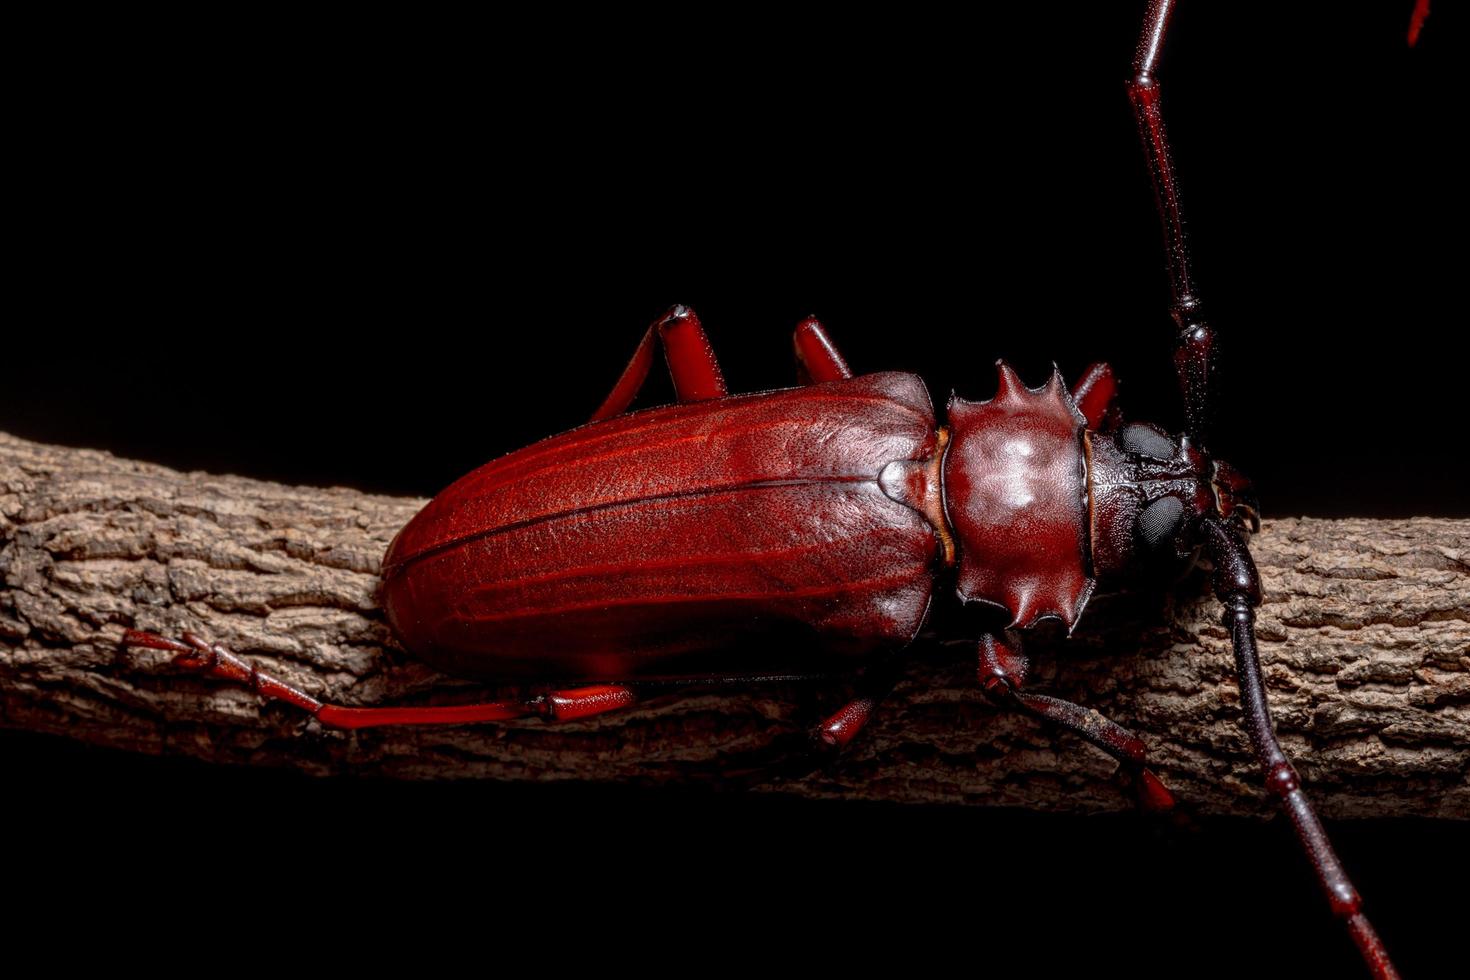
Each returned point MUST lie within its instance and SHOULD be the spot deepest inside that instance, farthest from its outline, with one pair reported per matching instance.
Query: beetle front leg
(1094, 394)
(692, 363)
(1003, 669)
(198, 654)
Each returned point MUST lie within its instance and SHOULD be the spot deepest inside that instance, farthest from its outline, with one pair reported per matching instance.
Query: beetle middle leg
(843, 725)
(195, 653)
(1003, 669)
(817, 358)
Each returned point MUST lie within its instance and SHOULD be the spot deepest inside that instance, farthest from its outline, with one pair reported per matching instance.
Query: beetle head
(1147, 493)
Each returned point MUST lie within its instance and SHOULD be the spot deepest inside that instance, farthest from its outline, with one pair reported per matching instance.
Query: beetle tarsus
(196, 653)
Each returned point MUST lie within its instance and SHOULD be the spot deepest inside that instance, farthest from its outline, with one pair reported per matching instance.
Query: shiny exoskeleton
(802, 532)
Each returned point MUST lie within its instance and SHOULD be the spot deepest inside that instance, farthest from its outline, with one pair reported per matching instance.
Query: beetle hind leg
(195, 653)
(692, 363)
(1003, 668)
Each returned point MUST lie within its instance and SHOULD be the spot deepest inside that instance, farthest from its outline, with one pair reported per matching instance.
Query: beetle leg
(1094, 393)
(843, 725)
(568, 705)
(816, 356)
(1003, 669)
(691, 359)
(196, 653)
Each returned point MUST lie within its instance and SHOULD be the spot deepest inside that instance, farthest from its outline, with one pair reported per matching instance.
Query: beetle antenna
(1238, 586)
(1194, 350)
(1416, 21)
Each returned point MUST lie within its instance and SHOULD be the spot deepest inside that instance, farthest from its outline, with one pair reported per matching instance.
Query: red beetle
(802, 532)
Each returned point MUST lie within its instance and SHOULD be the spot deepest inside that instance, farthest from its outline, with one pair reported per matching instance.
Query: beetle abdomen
(753, 527)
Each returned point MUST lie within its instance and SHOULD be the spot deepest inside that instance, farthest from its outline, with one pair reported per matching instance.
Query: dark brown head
(1148, 491)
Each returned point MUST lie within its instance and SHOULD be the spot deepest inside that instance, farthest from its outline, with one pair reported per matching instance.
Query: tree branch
(1365, 639)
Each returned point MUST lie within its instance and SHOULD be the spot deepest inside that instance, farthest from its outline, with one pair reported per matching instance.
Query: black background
(379, 254)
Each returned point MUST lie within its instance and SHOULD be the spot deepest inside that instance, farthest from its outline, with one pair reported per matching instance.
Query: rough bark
(1365, 630)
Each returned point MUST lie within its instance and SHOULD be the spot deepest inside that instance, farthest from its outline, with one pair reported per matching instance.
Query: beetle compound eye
(1139, 437)
(1160, 520)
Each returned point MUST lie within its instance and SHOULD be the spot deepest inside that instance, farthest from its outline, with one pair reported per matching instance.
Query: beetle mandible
(802, 531)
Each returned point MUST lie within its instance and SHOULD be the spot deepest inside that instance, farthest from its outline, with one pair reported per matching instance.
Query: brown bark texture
(1365, 642)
